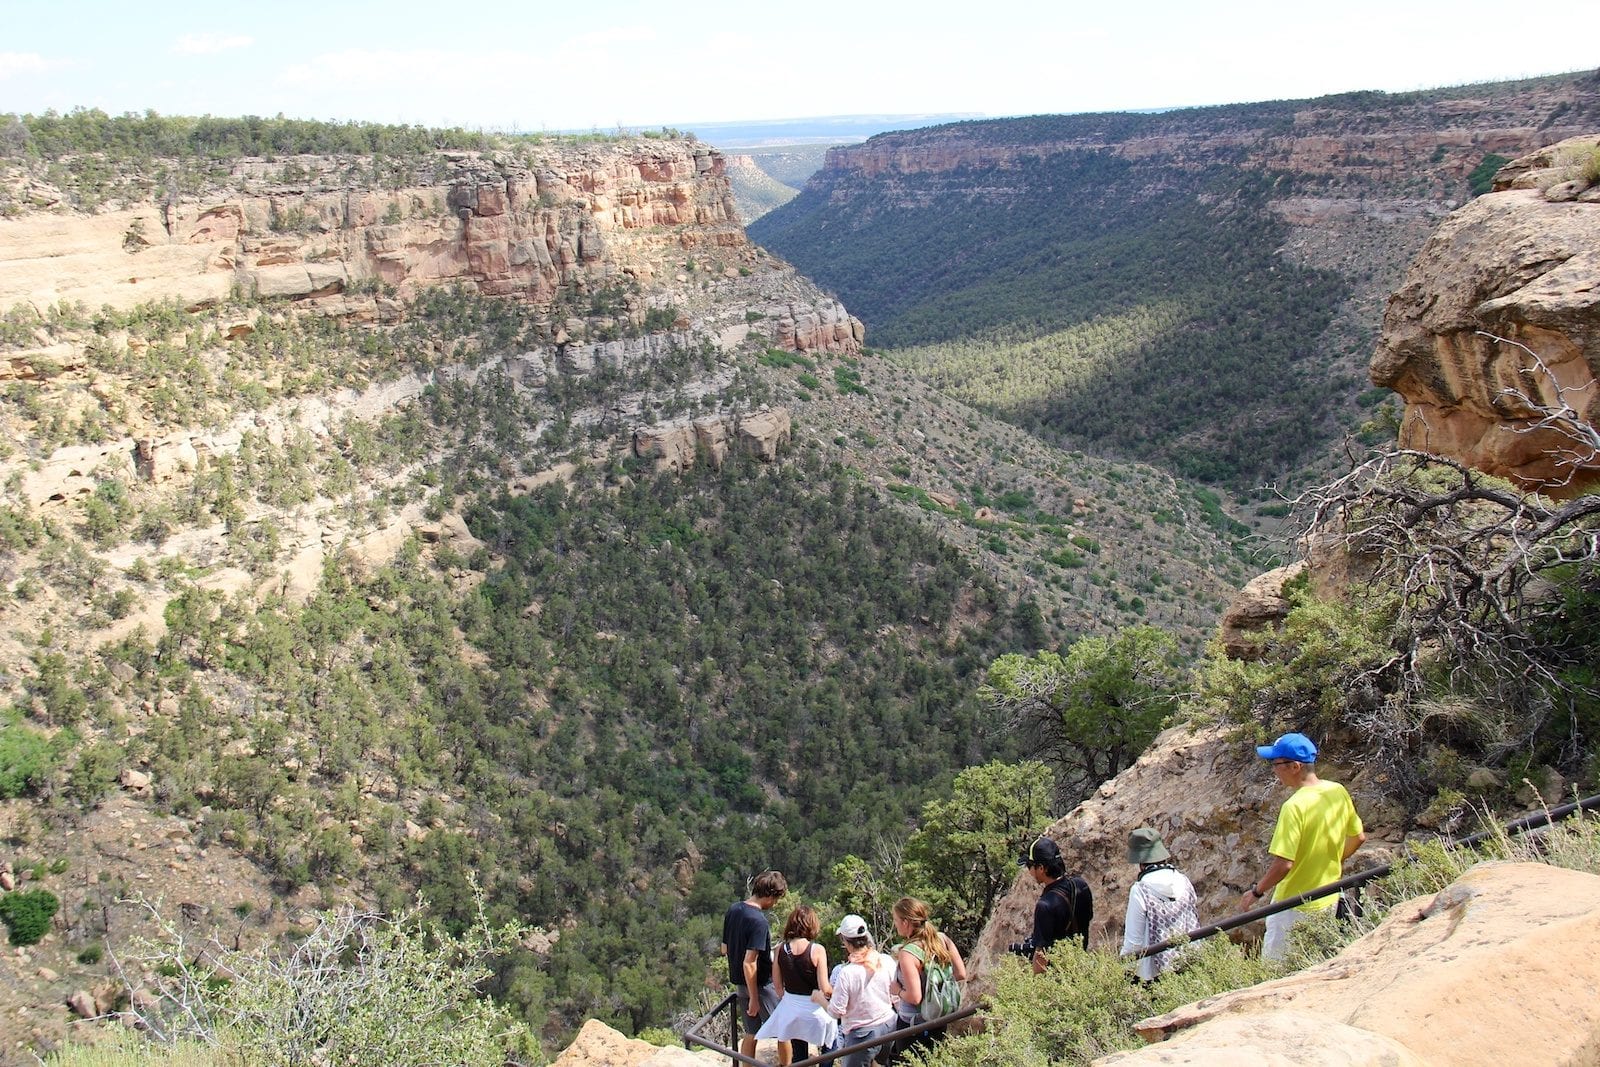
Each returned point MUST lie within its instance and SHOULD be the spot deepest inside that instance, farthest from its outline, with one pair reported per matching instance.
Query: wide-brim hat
(1146, 846)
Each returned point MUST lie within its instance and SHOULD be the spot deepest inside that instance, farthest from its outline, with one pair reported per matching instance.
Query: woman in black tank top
(802, 967)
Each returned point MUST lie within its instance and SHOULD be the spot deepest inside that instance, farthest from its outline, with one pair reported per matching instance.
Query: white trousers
(1276, 946)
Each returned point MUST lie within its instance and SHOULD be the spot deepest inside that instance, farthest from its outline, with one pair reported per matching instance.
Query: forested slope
(1209, 369)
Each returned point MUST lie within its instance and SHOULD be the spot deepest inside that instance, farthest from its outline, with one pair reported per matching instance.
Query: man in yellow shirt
(1318, 829)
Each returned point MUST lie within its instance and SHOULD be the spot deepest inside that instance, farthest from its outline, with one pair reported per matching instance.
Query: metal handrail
(691, 1036)
(1244, 918)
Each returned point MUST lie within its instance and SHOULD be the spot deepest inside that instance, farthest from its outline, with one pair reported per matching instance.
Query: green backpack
(941, 993)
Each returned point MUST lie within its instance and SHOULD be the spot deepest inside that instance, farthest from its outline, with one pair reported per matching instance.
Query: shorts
(769, 1004)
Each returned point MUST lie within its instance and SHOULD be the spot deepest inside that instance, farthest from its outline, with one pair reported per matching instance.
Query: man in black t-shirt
(1065, 907)
(747, 942)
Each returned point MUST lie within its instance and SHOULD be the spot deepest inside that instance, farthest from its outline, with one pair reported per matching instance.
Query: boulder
(597, 1045)
(1277, 1039)
(1498, 968)
(1258, 608)
(82, 1004)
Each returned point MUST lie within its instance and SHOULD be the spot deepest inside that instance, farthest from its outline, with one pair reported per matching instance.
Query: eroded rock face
(824, 326)
(671, 445)
(763, 433)
(677, 444)
(1508, 282)
(1499, 968)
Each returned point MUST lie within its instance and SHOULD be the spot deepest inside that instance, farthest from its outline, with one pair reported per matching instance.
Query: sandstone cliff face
(507, 226)
(649, 223)
(652, 219)
(1498, 325)
(1498, 968)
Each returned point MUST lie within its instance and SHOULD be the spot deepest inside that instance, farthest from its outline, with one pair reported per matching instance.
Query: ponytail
(934, 945)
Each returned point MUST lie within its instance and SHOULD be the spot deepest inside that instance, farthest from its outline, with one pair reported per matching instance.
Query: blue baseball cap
(1297, 747)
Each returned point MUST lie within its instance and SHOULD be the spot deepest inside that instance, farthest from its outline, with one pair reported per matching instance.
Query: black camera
(1023, 948)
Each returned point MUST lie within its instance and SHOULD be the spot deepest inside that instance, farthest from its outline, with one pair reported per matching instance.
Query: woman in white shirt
(861, 1000)
(1161, 903)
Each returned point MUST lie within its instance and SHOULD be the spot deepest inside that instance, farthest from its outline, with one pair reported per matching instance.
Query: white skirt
(798, 1018)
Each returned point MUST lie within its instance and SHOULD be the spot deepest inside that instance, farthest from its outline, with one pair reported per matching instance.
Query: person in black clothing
(747, 942)
(1065, 907)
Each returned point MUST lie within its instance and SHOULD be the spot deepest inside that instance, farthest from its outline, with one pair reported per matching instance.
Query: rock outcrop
(1498, 325)
(1259, 607)
(677, 445)
(1498, 968)
(597, 1045)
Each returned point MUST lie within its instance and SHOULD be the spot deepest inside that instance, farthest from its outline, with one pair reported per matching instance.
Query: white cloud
(205, 44)
(14, 63)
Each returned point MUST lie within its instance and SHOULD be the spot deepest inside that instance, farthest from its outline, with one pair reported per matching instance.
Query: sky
(534, 65)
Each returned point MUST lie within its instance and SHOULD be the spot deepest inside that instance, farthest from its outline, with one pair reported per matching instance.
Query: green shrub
(27, 914)
(26, 758)
(848, 381)
(95, 773)
(660, 1036)
(1481, 180)
(1589, 167)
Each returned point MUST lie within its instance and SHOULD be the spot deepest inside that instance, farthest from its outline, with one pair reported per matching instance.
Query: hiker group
(788, 993)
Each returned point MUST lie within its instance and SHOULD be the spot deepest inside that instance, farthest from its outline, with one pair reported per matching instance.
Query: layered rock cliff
(622, 257)
(1381, 140)
(551, 228)
(635, 239)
